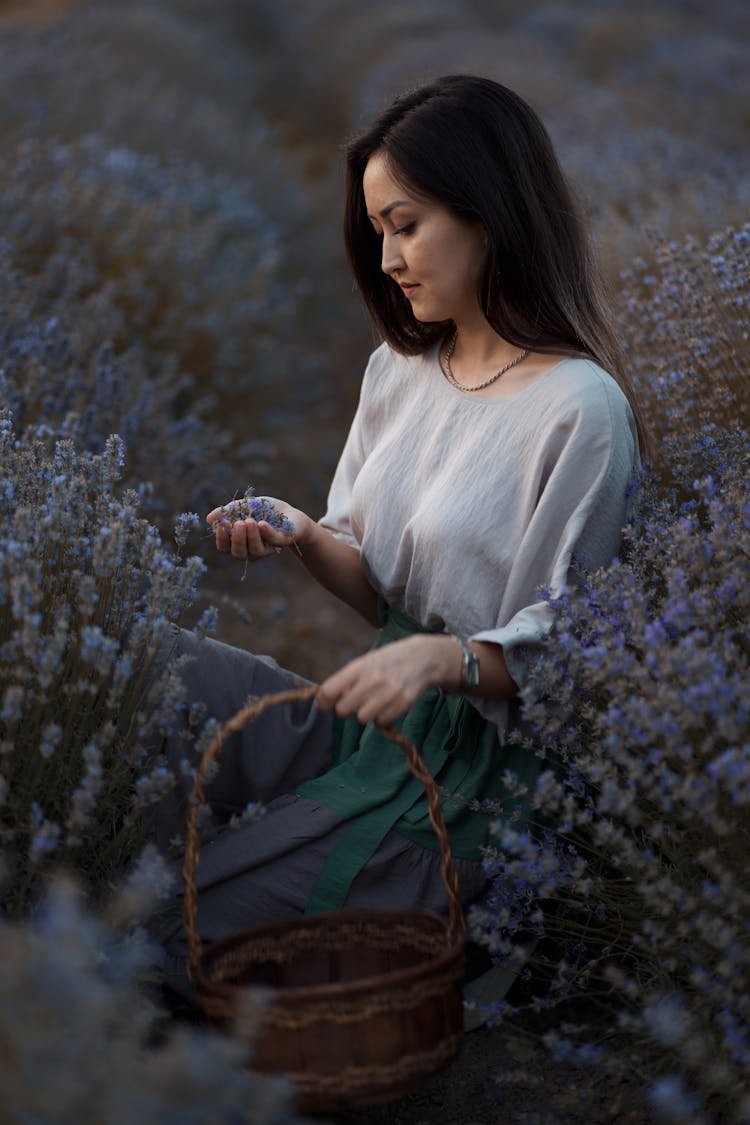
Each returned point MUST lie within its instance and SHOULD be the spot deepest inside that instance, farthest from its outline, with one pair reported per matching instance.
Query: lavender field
(176, 324)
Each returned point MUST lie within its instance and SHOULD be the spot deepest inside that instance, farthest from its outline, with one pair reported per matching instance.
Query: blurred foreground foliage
(82, 1041)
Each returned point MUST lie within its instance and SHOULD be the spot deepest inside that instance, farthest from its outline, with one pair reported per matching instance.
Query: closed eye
(407, 228)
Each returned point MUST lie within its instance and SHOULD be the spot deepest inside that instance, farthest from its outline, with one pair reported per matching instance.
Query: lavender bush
(88, 594)
(132, 293)
(640, 898)
(146, 215)
(685, 322)
(64, 366)
(186, 257)
(82, 1041)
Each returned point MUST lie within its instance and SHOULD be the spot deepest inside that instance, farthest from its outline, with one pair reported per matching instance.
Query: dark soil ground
(536, 1091)
(500, 1075)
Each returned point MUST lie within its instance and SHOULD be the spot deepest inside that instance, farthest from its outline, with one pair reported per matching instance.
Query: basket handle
(236, 723)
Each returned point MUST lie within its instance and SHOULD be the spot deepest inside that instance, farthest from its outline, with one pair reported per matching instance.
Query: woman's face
(435, 258)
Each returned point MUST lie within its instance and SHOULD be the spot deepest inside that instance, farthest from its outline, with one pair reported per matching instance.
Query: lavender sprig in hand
(252, 507)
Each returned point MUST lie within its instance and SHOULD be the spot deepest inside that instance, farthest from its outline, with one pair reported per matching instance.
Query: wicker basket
(362, 1004)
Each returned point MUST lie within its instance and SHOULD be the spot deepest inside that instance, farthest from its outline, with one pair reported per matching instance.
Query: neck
(478, 346)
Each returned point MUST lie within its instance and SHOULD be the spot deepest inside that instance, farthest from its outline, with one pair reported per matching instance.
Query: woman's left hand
(382, 685)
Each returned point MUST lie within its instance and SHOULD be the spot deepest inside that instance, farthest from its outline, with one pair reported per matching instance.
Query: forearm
(337, 567)
(445, 667)
(333, 564)
(384, 683)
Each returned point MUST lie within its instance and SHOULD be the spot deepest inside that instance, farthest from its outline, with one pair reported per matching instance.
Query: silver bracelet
(470, 666)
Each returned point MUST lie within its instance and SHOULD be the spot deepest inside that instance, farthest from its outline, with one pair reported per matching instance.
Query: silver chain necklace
(445, 367)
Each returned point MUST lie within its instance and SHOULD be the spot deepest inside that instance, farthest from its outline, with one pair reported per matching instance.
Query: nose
(392, 260)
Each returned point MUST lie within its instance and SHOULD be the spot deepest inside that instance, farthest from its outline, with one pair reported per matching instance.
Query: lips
(408, 288)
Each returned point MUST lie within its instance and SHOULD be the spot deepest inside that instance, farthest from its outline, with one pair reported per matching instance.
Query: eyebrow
(391, 206)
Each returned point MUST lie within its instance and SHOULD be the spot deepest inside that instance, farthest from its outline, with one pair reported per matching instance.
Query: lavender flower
(252, 507)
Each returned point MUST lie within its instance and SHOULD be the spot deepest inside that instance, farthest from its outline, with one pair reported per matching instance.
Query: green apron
(371, 785)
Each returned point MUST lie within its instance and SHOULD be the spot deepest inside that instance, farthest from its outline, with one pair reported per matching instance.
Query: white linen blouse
(465, 508)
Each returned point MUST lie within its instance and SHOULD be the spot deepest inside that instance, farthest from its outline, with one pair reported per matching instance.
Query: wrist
(469, 665)
(444, 661)
(306, 529)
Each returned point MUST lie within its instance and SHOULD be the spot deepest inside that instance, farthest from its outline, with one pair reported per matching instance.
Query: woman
(488, 459)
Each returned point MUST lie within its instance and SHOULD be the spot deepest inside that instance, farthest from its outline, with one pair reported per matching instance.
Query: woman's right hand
(251, 540)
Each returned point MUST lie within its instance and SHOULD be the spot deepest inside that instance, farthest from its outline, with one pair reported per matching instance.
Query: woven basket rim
(430, 966)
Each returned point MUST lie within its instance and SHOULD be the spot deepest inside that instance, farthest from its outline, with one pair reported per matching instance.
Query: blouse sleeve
(589, 461)
(337, 517)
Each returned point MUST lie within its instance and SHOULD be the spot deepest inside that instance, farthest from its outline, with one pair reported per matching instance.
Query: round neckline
(468, 396)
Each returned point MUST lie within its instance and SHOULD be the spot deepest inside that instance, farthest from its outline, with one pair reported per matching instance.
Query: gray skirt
(263, 870)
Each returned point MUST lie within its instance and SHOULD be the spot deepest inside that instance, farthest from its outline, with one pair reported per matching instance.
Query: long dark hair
(480, 150)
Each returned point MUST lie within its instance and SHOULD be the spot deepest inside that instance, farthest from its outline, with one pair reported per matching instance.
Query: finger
(223, 533)
(370, 710)
(255, 547)
(214, 515)
(245, 540)
(328, 694)
(273, 535)
(351, 686)
(363, 698)
(337, 685)
(384, 709)
(253, 539)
